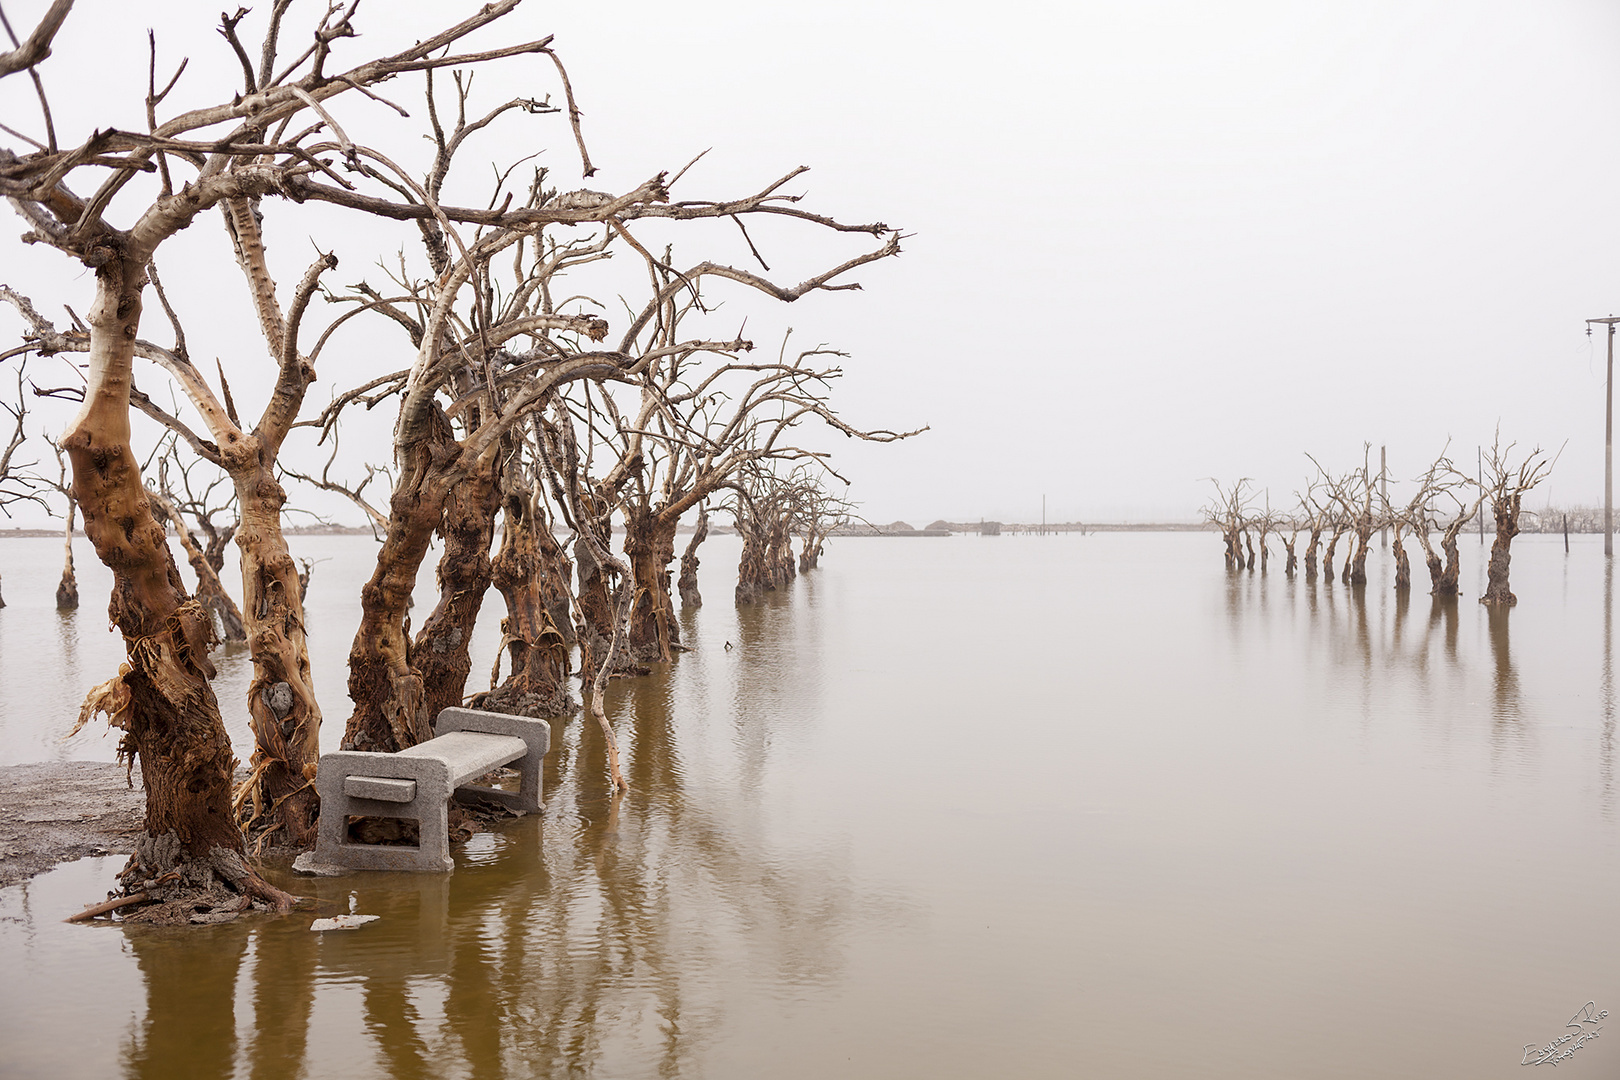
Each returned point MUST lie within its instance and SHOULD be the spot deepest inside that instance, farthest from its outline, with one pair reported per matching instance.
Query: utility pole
(1608, 439)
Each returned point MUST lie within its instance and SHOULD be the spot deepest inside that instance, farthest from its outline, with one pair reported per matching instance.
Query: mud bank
(55, 811)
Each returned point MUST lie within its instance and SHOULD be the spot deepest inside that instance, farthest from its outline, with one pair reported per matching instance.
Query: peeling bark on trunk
(1506, 514)
(753, 569)
(688, 582)
(282, 710)
(1288, 549)
(161, 698)
(649, 545)
(1310, 553)
(1403, 567)
(389, 699)
(67, 590)
(440, 653)
(537, 684)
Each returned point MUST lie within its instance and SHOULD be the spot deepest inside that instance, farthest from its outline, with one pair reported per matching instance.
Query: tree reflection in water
(607, 936)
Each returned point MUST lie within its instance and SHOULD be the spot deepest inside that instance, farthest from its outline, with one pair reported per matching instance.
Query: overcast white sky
(1153, 242)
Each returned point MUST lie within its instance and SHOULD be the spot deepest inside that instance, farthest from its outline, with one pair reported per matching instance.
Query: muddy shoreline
(56, 811)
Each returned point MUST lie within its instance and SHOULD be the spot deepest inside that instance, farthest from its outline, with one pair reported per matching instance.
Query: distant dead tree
(766, 507)
(1412, 518)
(1316, 514)
(1292, 524)
(18, 483)
(688, 582)
(1338, 521)
(1228, 511)
(820, 512)
(1449, 483)
(1264, 522)
(1506, 481)
(1353, 493)
(67, 589)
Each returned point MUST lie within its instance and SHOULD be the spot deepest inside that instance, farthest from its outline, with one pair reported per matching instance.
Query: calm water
(968, 807)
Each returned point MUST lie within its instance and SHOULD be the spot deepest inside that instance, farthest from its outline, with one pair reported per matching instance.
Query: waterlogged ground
(967, 807)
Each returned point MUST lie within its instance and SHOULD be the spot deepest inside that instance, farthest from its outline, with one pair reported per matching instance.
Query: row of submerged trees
(1355, 505)
(520, 405)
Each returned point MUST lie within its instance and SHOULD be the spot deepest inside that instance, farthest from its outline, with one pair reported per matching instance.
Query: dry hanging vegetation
(1439, 505)
(519, 404)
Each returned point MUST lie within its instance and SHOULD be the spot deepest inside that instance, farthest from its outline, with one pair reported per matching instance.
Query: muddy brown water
(966, 807)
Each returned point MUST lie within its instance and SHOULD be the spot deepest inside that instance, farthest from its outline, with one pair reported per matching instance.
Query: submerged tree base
(163, 885)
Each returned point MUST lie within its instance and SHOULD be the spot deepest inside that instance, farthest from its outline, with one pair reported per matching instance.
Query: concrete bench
(418, 784)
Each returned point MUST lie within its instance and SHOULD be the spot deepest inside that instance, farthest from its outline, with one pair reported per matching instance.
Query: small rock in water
(307, 864)
(343, 922)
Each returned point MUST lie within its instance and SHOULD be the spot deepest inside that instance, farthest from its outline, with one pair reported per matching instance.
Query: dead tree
(1353, 493)
(1227, 511)
(1505, 485)
(472, 381)
(1451, 484)
(531, 571)
(698, 426)
(688, 581)
(249, 145)
(67, 589)
(1413, 517)
(1264, 523)
(589, 515)
(766, 508)
(1316, 514)
(18, 483)
(820, 513)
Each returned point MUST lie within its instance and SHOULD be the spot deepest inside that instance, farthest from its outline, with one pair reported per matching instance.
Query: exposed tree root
(167, 886)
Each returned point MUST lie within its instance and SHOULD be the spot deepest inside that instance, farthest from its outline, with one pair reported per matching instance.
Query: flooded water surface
(968, 807)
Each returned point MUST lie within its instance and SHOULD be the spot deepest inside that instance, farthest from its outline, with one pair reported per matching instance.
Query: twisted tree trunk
(688, 581)
(282, 710)
(537, 684)
(162, 698)
(440, 652)
(1356, 571)
(649, 545)
(1310, 552)
(389, 699)
(1506, 514)
(753, 565)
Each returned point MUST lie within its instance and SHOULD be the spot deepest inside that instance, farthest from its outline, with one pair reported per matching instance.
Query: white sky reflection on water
(967, 807)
